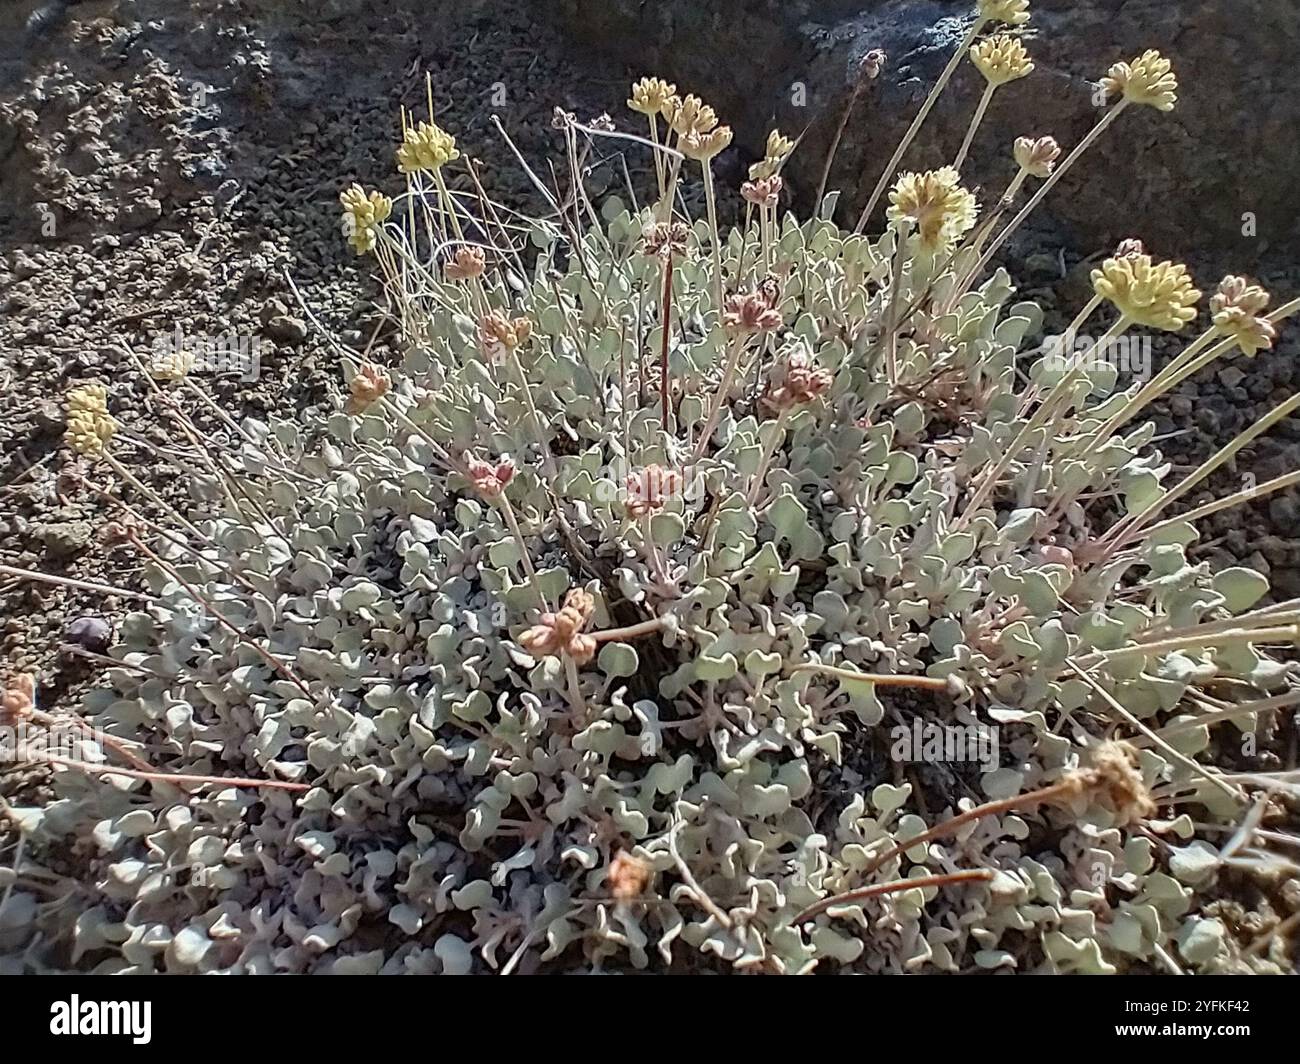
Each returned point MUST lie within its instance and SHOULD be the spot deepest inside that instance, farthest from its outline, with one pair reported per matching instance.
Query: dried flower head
(664, 239)
(689, 115)
(937, 204)
(1012, 12)
(426, 147)
(603, 123)
(468, 262)
(561, 632)
(490, 480)
(18, 700)
(704, 146)
(1037, 157)
(765, 192)
(362, 216)
(1238, 308)
(499, 335)
(1147, 80)
(368, 385)
(1130, 248)
(649, 488)
(649, 95)
(750, 313)
(628, 876)
(1157, 295)
(1114, 776)
(872, 64)
(120, 532)
(1001, 59)
(796, 379)
(90, 425)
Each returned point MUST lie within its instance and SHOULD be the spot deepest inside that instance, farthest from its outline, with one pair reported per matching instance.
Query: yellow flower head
(1157, 295)
(362, 216)
(936, 204)
(1012, 12)
(426, 147)
(90, 425)
(1238, 308)
(1148, 80)
(703, 147)
(649, 95)
(778, 149)
(1001, 59)
(1037, 157)
(691, 115)
(172, 365)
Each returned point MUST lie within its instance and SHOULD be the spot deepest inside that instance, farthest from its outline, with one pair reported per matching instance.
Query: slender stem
(665, 320)
(835, 141)
(159, 776)
(769, 449)
(1044, 414)
(975, 124)
(917, 122)
(849, 897)
(659, 161)
(924, 683)
(154, 497)
(1102, 125)
(509, 512)
(1286, 480)
(67, 581)
(1071, 331)
(1125, 530)
(901, 234)
(710, 202)
(1196, 641)
(715, 406)
(621, 635)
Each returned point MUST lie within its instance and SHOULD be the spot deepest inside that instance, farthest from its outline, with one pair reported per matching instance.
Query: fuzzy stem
(159, 776)
(877, 889)
(769, 449)
(917, 122)
(67, 581)
(1195, 640)
(659, 162)
(924, 683)
(621, 635)
(1286, 480)
(835, 141)
(737, 346)
(710, 203)
(508, 512)
(975, 124)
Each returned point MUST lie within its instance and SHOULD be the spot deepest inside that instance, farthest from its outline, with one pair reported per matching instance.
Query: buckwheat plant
(580, 617)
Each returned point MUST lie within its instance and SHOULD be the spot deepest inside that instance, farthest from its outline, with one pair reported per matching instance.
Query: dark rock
(287, 330)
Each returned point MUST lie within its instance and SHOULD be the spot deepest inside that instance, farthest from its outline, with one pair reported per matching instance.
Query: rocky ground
(161, 170)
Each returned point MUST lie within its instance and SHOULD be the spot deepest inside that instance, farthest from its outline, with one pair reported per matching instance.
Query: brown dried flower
(751, 313)
(498, 335)
(1114, 776)
(468, 262)
(490, 480)
(1238, 308)
(795, 380)
(370, 384)
(628, 876)
(649, 488)
(561, 632)
(872, 64)
(18, 700)
(1131, 248)
(666, 238)
(765, 192)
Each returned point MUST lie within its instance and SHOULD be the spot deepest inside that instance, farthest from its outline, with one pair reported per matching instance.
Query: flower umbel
(750, 313)
(561, 632)
(499, 335)
(1238, 308)
(1148, 80)
(466, 263)
(426, 147)
(937, 204)
(1037, 157)
(370, 384)
(490, 480)
(649, 488)
(796, 380)
(765, 192)
(1001, 59)
(17, 700)
(775, 153)
(1157, 295)
(362, 216)
(90, 425)
(628, 876)
(649, 95)
(1012, 12)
